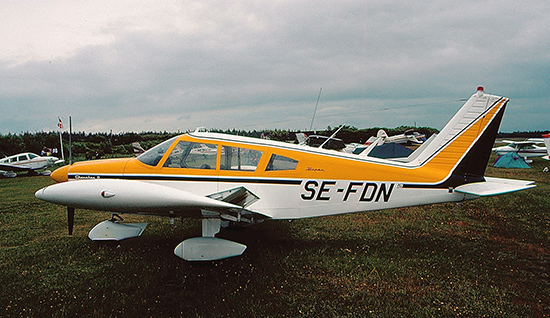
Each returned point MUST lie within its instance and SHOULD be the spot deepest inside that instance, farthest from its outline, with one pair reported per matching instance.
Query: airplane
(409, 136)
(321, 141)
(250, 180)
(526, 148)
(26, 161)
(546, 138)
(330, 142)
(136, 147)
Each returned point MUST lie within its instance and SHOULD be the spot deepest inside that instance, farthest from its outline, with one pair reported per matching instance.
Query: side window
(22, 158)
(192, 155)
(278, 163)
(243, 159)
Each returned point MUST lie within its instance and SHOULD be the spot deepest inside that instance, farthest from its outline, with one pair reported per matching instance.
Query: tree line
(120, 144)
(101, 143)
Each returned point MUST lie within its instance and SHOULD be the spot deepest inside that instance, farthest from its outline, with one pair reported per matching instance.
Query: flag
(59, 123)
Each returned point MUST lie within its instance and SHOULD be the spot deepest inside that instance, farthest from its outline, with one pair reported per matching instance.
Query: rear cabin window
(192, 155)
(279, 163)
(242, 159)
(152, 156)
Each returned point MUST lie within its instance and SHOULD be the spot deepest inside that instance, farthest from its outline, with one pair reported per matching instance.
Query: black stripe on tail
(472, 167)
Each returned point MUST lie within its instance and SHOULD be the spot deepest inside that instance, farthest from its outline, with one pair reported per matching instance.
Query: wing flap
(240, 196)
(494, 186)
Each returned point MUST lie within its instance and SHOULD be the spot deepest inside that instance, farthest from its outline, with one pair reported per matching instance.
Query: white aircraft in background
(408, 136)
(546, 139)
(136, 147)
(26, 161)
(250, 180)
(526, 148)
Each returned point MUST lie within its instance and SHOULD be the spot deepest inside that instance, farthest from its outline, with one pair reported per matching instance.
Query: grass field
(483, 258)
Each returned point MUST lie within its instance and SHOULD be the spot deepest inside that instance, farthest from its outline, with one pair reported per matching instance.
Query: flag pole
(61, 143)
(60, 125)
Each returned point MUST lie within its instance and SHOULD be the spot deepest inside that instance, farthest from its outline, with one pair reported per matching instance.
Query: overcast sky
(176, 65)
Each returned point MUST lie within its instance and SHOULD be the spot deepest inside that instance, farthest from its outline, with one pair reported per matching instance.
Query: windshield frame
(153, 156)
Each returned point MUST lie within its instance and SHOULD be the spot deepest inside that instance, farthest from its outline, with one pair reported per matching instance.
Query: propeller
(70, 219)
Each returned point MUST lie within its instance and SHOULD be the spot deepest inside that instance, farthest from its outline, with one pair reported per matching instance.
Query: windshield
(152, 156)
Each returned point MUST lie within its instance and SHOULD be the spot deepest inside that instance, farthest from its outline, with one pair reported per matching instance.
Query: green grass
(484, 258)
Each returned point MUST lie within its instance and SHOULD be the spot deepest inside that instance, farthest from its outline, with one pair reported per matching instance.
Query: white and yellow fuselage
(309, 182)
(213, 176)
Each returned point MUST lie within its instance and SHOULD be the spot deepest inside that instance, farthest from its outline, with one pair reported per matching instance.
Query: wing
(132, 196)
(536, 140)
(8, 167)
(525, 143)
(140, 197)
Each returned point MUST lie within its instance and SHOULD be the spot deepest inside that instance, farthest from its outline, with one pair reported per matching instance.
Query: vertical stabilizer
(466, 141)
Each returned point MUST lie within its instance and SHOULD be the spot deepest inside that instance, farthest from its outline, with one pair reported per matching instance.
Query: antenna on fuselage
(315, 111)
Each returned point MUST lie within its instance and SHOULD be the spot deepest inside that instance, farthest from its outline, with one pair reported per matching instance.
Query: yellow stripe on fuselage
(313, 163)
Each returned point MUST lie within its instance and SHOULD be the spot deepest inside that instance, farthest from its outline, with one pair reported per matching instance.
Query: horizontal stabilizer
(494, 186)
(208, 249)
(113, 231)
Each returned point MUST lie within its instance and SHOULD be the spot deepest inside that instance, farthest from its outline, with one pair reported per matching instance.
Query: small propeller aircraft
(409, 136)
(26, 161)
(248, 180)
(526, 148)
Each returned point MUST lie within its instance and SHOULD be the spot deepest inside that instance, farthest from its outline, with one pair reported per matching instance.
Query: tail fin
(465, 143)
(382, 133)
(301, 137)
(547, 144)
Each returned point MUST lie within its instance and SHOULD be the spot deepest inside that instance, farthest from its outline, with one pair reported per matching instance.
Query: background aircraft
(526, 148)
(26, 161)
(136, 147)
(409, 136)
(249, 180)
(546, 139)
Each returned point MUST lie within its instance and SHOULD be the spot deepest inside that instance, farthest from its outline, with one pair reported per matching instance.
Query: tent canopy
(511, 160)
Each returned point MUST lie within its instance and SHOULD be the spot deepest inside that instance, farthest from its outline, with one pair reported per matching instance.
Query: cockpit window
(192, 155)
(152, 156)
(243, 159)
(278, 163)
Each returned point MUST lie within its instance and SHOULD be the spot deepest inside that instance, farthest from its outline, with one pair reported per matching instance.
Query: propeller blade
(70, 219)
